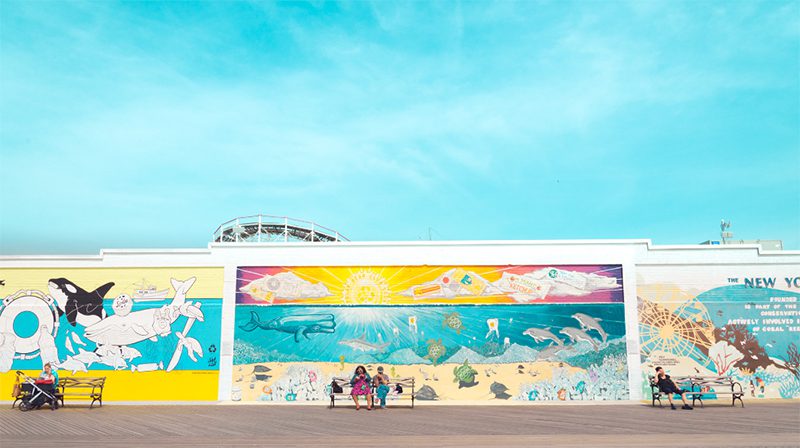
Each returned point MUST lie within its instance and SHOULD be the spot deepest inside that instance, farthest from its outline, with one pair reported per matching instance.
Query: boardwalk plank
(762, 424)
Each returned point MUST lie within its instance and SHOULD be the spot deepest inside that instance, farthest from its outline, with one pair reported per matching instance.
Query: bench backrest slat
(346, 387)
(81, 382)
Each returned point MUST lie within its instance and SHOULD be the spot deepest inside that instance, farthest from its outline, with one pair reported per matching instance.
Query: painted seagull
(80, 306)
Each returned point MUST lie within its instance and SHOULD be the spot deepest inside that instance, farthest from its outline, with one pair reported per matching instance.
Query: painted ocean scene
(76, 352)
(543, 351)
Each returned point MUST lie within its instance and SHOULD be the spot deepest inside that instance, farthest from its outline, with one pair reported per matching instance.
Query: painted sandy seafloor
(454, 352)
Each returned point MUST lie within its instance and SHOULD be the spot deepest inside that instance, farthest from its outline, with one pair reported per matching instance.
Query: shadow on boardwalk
(767, 424)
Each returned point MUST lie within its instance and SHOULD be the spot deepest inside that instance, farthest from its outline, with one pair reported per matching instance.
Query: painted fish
(542, 334)
(362, 345)
(299, 324)
(590, 323)
(130, 353)
(117, 362)
(87, 358)
(576, 334)
(73, 364)
(68, 344)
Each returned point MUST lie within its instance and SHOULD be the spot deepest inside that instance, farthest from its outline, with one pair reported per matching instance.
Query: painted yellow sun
(365, 287)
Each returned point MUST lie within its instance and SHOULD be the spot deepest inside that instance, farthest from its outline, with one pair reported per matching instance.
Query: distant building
(765, 244)
(726, 236)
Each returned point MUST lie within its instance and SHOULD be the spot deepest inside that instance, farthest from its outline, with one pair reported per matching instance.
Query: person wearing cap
(381, 381)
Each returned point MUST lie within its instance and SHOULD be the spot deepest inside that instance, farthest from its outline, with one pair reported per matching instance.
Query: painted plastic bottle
(47, 346)
(7, 351)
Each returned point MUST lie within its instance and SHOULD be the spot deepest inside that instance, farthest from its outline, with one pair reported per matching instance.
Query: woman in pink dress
(360, 382)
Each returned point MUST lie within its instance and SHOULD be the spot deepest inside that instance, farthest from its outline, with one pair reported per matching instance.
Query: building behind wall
(471, 321)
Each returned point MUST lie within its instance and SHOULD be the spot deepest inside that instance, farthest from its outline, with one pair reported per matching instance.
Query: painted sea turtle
(464, 375)
(435, 350)
(453, 320)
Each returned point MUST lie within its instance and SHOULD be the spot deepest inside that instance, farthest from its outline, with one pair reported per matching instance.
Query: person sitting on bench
(668, 387)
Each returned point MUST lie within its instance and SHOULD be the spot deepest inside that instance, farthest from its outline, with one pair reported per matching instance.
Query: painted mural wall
(733, 320)
(464, 332)
(152, 332)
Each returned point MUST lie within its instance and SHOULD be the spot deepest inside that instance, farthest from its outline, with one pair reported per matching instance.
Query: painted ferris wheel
(684, 331)
(274, 229)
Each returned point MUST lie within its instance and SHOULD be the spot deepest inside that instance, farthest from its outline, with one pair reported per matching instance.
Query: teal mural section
(539, 352)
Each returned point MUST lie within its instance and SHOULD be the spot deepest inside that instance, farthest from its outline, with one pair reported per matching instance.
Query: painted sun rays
(407, 285)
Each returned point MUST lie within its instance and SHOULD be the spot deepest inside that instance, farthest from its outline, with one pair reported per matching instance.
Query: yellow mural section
(178, 385)
(161, 366)
(383, 285)
(411, 285)
(126, 280)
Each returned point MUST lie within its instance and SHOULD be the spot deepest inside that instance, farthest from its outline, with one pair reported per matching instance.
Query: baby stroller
(36, 393)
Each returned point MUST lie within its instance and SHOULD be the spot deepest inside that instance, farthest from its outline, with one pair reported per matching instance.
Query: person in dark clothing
(668, 387)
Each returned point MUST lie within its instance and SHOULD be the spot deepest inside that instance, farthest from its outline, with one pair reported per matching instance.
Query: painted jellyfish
(493, 327)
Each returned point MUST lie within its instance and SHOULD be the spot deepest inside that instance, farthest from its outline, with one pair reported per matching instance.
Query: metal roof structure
(273, 229)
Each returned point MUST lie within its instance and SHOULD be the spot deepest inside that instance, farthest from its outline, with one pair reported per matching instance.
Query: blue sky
(149, 124)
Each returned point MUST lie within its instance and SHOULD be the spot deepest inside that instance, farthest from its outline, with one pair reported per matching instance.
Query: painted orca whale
(80, 306)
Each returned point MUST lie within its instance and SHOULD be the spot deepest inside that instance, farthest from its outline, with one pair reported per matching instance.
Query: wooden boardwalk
(763, 424)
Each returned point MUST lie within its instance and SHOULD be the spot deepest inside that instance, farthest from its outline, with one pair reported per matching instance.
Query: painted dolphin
(590, 323)
(362, 345)
(542, 334)
(80, 306)
(550, 352)
(299, 324)
(136, 326)
(576, 334)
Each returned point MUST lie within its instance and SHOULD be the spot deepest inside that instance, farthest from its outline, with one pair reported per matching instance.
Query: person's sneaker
(673, 407)
(687, 407)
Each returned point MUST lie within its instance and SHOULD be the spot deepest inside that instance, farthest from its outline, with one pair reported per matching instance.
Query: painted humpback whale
(299, 324)
(126, 327)
(80, 306)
